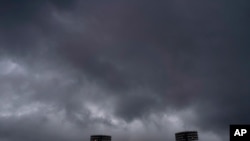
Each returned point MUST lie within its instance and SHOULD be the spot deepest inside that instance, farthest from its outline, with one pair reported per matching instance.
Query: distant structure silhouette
(100, 138)
(187, 136)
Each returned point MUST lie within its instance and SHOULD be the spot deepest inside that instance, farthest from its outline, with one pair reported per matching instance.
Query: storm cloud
(137, 70)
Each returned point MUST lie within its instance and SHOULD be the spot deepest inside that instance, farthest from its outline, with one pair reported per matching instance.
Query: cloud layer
(138, 70)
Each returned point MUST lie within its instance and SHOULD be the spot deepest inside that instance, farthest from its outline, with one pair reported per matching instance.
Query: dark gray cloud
(139, 70)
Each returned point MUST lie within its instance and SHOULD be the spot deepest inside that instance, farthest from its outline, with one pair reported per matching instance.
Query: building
(186, 136)
(100, 138)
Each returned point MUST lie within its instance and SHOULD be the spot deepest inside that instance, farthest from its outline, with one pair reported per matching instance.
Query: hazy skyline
(137, 70)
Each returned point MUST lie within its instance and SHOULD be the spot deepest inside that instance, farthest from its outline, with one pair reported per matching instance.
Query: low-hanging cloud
(138, 70)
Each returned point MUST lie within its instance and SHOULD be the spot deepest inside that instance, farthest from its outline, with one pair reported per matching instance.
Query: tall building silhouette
(100, 138)
(187, 136)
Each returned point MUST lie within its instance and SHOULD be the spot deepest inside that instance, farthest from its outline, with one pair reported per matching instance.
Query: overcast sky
(139, 70)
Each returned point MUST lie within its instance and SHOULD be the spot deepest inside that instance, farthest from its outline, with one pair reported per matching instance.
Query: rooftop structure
(100, 138)
(187, 136)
